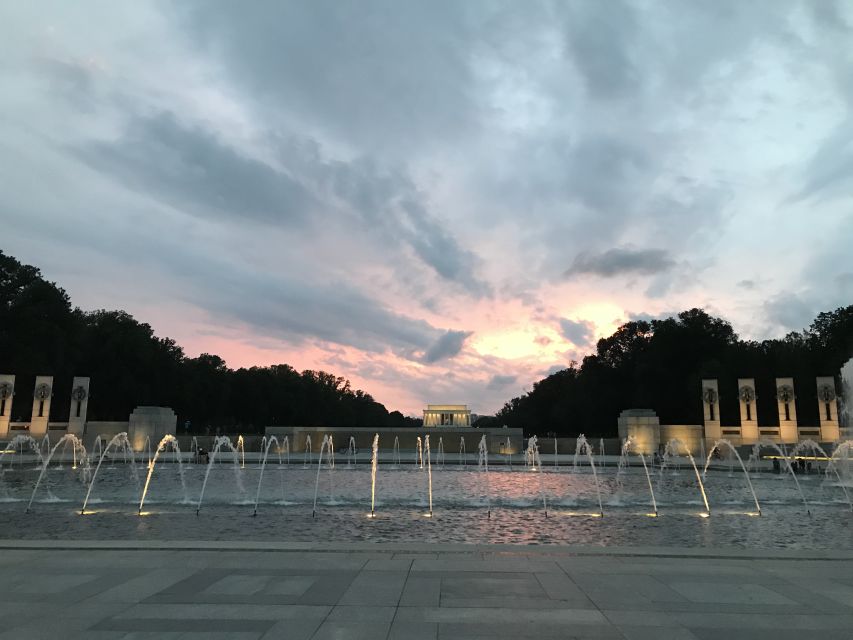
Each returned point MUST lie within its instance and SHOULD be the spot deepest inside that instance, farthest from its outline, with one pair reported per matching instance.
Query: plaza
(248, 590)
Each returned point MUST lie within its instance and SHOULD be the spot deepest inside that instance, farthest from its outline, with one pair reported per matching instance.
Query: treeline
(660, 364)
(40, 333)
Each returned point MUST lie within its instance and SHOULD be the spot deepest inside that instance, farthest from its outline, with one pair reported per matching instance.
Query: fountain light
(651, 515)
(705, 515)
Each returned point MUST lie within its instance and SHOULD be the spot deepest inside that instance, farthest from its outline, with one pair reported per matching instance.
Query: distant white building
(447, 415)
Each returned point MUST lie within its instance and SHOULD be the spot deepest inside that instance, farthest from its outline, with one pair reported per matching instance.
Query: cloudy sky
(441, 200)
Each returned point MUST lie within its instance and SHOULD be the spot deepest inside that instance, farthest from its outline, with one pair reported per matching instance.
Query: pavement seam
(532, 551)
(594, 603)
(400, 598)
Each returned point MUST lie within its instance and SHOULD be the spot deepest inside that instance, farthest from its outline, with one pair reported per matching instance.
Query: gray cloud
(620, 261)
(789, 311)
(579, 333)
(601, 41)
(747, 284)
(190, 169)
(447, 346)
(369, 72)
(498, 381)
(828, 172)
(387, 200)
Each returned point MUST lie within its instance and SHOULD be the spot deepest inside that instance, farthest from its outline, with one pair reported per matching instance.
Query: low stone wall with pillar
(786, 405)
(42, 395)
(748, 410)
(79, 405)
(711, 409)
(7, 392)
(827, 405)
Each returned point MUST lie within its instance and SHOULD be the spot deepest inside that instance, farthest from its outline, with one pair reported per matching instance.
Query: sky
(442, 201)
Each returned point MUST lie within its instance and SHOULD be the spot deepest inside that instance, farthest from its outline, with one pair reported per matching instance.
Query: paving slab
(420, 592)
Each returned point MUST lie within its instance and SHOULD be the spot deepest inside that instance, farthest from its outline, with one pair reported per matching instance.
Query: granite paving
(127, 589)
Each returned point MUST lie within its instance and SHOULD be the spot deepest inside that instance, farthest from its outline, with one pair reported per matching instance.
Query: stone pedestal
(79, 405)
(150, 422)
(7, 392)
(748, 413)
(643, 426)
(827, 405)
(711, 408)
(786, 406)
(42, 395)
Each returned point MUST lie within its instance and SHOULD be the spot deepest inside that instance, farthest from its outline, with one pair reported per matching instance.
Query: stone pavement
(56, 589)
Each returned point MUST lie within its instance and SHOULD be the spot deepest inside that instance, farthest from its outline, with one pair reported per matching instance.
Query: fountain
(731, 447)
(533, 448)
(673, 447)
(844, 449)
(97, 447)
(555, 453)
(269, 443)
(327, 447)
(161, 447)
(767, 443)
(17, 443)
(584, 447)
(483, 465)
(241, 448)
(350, 452)
(396, 451)
(147, 448)
(623, 459)
(419, 454)
(119, 439)
(75, 443)
(44, 445)
(307, 457)
(440, 457)
(374, 460)
(462, 456)
(285, 445)
(815, 447)
(429, 473)
(221, 441)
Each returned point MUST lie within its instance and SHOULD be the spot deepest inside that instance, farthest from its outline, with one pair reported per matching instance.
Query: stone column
(711, 408)
(643, 426)
(827, 406)
(748, 417)
(152, 423)
(7, 392)
(786, 405)
(79, 405)
(42, 395)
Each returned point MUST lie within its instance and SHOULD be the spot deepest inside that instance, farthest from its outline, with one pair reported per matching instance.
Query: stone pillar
(786, 406)
(827, 406)
(643, 426)
(79, 405)
(7, 392)
(748, 417)
(42, 395)
(711, 408)
(153, 423)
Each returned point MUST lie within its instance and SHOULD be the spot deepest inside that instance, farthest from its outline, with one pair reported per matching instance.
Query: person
(776, 466)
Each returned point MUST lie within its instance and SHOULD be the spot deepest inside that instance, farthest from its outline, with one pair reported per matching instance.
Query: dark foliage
(40, 333)
(660, 364)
